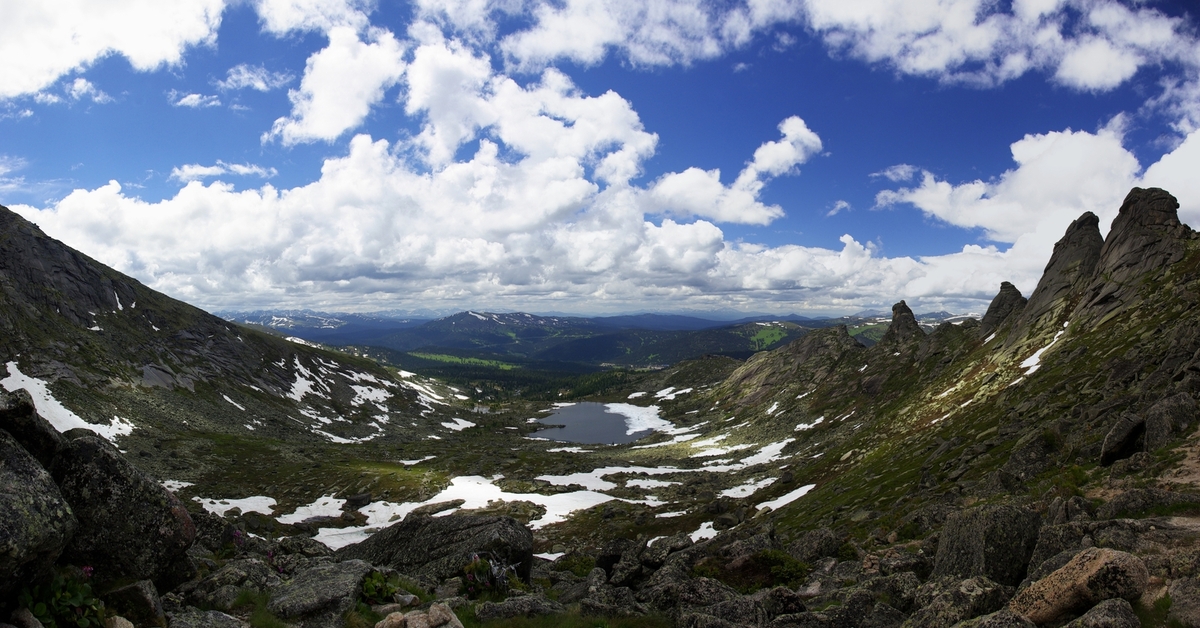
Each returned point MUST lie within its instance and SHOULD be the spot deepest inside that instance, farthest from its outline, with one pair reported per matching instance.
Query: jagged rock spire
(1145, 238)
(904, 326)
(1069, 271)
(1004, 304)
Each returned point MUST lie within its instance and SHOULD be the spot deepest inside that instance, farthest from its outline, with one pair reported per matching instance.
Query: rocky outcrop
(1006, 302)
(904, 328)
(523, 606)
(951, 601)
(35, 521)
(993, 541)
(1071, 267)
(1145, 239)
(1115, 613)
(807, 362)
(439, 547)
(1092, 576)
(318, 597)
(129, 525)
(815, 544)
(19, 418)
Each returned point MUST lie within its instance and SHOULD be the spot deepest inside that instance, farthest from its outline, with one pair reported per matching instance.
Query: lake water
(597, 423)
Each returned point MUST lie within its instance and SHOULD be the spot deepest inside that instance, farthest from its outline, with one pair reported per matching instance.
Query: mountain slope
(108, 346)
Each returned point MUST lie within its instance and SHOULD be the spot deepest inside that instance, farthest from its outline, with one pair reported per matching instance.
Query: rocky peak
(1146, 237)
(904, 326)
(1070, 269)
(1007, 301)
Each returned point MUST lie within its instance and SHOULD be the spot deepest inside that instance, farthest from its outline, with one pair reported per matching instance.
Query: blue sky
(591, 156)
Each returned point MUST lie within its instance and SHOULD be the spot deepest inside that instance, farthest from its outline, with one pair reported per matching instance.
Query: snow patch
(637, 394)
(58, 415)
(409, 463)
(747, 489)
(175, 485)
(705, 531)
(668, 394)
(809, 426)
(458, 425)
(1034, 362)
(641, 418)
(235, 404)
(326, 506)
(257, 503)
(787, 498)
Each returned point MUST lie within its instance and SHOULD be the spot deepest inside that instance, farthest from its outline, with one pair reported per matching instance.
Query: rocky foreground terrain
(1039, 467)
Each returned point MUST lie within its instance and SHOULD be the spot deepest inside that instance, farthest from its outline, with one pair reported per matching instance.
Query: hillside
(982, 468)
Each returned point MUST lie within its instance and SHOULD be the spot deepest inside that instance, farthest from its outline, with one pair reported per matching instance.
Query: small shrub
(847, 552)
(66, 600)
(485, 578)
(379, 589)
(579, 564)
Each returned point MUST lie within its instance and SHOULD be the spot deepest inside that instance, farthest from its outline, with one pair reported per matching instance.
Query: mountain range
(1038, 466)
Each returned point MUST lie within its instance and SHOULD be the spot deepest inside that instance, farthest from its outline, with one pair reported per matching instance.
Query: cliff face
(1072, 266)
(1145, 241)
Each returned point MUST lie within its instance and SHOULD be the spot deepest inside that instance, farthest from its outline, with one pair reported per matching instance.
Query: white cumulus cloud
(42, 41)
(341, 83)
(697, 192)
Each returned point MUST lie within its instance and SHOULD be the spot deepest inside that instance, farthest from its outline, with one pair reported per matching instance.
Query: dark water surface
(588, 422)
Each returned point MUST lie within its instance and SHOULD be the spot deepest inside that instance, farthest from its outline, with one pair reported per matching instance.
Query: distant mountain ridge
(627, 340)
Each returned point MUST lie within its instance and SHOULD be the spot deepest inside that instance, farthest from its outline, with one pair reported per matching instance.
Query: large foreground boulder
(992, 541)
(1092, 576)
(439, 547)
(35, 520)
(19, 418)
(318, 597)
(129, 525)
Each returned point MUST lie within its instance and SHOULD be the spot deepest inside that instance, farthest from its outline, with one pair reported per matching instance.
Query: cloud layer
(518, 190)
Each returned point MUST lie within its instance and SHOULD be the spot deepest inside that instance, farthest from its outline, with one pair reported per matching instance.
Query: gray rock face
(440, 547)
(1140, 500)
(139, 603)
(1116, 613)
(219, 589)
(1002, 618)
(1126, 437)
(656, 554)
(1070, 269)
(1167, 418)
(815, 544)
(954, 601)
(904, 327)
(609, 601)
(318, 597)
(1030, 456)
(993, 541)
(36, 435)
(129, 525)
(35, 521)
(1003, 305)
(1146, 237)
(523, 606)
(1185, 601)
(192, 618)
